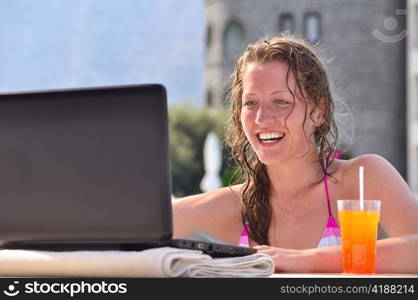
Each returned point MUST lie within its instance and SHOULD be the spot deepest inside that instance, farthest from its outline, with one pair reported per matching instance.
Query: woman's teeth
(269, 138)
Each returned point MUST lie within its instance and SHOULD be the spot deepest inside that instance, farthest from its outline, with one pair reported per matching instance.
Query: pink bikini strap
(336, 155)
(327, 193)
(244, 240)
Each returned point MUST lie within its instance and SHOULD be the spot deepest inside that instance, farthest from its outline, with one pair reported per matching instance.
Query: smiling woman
(283, 137)
(279, 87)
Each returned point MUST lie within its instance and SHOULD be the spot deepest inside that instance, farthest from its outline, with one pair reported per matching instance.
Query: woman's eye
(282, 102)
(249, 102)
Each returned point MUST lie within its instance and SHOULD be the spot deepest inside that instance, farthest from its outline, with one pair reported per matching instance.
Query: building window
(312, 27)
(416, 100)
(209, 99)
(226, 97)
(287, 23)
(414, 16)
(208, 36)
(233, 40)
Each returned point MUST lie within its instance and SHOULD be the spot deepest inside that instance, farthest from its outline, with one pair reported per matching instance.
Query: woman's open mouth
(270, 138)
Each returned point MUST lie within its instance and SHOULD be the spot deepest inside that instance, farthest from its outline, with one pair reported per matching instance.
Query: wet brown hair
(312, 84)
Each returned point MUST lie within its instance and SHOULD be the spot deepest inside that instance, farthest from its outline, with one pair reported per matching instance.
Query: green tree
(188, 127)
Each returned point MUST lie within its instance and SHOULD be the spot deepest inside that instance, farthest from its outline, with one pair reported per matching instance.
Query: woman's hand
(288, 260)
(304, 261)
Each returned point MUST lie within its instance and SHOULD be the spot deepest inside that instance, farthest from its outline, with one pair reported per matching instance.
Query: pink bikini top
(331, 235)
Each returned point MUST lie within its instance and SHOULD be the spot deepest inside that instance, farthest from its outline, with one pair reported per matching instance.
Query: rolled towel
(156, 262)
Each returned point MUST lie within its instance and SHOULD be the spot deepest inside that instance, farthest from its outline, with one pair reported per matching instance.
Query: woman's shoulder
(380, 177)
(207, 211)
(374, 165)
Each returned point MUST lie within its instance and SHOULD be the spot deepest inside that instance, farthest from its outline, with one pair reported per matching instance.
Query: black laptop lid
(85, 165)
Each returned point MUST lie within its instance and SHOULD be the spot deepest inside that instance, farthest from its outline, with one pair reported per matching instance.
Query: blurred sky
(69, 43)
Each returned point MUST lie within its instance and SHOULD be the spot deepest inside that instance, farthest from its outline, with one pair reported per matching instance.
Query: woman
(283, 136)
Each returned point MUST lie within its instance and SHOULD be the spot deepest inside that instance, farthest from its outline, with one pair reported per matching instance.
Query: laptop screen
(87, 164)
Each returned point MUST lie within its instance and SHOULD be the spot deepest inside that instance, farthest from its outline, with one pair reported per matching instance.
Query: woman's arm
(317, 260)
(393, 255)
(397, 255)
(213, 215)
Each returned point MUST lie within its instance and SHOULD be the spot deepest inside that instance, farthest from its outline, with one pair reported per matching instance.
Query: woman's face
(266, 103)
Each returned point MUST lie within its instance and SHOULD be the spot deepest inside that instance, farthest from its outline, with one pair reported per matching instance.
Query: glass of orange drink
(359, 224)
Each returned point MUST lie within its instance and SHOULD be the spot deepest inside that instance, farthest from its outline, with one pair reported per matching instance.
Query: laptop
(88, 169)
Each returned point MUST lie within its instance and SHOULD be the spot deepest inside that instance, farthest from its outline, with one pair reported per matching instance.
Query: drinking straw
(361, 177)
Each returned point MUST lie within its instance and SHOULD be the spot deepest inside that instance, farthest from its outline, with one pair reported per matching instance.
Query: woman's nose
(265, 115)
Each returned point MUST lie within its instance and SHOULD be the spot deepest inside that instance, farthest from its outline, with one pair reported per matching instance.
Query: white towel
(157, 262)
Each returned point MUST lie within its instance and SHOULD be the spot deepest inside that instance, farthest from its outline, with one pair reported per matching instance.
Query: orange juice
(359, 234)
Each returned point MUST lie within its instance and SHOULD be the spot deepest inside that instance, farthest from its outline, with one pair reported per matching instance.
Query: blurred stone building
(412, 99)
(362, 39)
